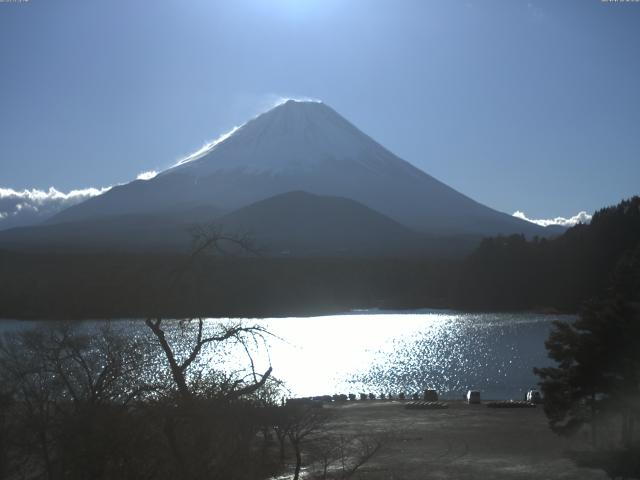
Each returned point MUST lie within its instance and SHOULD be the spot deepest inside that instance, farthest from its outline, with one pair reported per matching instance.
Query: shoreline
(459, 442)
(319, 314)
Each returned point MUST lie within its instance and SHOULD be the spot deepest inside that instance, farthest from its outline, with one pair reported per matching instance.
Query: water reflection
(392, 352)
(379, 352)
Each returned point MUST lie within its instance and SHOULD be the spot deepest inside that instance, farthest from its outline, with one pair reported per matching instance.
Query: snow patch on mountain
(148, 175)
(206, 148)
(294, 136)
(210, 145)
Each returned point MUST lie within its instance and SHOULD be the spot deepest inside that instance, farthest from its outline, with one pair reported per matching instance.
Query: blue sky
(531, 106)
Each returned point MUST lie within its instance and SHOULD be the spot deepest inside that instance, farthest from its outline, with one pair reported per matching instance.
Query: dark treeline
(594, 386)
(512, 273)
(503, 273)
(133, 285)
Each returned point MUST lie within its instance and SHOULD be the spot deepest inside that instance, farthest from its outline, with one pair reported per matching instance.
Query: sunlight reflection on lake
(385, 352)
(390, 352)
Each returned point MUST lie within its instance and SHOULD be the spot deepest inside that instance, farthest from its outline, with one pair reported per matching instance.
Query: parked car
(473, 396)
(533, 396)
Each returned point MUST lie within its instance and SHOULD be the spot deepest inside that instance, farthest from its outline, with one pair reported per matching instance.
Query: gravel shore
(460, 442)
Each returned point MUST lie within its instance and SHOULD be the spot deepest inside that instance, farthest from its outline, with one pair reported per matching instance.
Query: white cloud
(25, 207)
(279, 100)
(41, 196)
(148, 175)
(206, 148)
(581, 217)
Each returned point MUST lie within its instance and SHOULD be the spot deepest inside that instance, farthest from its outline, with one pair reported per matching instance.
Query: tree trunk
(282, 439)
(593, 420)
(628, 425)
(296, 474)
(45, 454)
(3, 447)
(170, 433)
(176, 371)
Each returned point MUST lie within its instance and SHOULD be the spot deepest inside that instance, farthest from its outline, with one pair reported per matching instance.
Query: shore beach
(460, 442)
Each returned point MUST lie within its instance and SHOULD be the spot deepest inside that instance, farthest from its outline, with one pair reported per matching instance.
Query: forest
(70, 286)
(502, 274)
(513, 273)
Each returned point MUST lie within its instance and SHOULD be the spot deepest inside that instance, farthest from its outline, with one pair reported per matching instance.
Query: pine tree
(598, 360)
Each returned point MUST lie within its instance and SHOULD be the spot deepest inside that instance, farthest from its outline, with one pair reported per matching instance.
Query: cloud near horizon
(29, 206)
(580, 217)
(26, 207)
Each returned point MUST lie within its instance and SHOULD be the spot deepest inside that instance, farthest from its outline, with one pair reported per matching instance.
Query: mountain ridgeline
(306, 146)
(320, 185)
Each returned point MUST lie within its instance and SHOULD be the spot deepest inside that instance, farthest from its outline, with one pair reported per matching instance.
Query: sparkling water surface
(382, 351)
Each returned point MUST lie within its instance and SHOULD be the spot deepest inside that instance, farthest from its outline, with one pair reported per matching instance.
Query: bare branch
(249, 389)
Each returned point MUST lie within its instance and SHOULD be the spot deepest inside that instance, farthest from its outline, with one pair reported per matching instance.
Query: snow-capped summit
(304, 146)
(293, 136)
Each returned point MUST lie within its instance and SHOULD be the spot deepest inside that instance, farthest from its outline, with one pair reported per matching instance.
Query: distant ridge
(290, 224)
(300, 224)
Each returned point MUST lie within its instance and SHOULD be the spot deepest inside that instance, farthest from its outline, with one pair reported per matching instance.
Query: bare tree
(300, 423)
(80, 402)
(361, 449)
(179, 369)
(203, 436)
(60, 383)
(341, 456)
(207, 239)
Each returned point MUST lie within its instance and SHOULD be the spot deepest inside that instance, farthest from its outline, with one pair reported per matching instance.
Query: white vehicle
(533, 396)
(473, 396)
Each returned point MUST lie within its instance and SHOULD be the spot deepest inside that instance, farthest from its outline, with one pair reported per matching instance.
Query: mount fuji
(298, 146)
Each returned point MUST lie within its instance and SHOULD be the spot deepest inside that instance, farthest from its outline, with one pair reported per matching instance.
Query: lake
(391, 352)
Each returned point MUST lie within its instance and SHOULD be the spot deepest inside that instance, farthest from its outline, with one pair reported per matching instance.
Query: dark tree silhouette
(207, 239)
(179, 369)
(598, 368)
(513, 273)
(597, 377)
(80, 403)
(302, 422)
